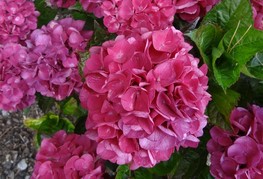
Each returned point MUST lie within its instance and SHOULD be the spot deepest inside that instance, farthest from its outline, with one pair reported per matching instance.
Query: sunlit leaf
(49, 124)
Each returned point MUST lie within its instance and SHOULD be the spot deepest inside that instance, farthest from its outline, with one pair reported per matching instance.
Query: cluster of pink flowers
(124, 17)
(190, 10)
(92, 6)
(137, 16)
(54, 60)
(67, 156)
(61, 3)
(146, 96)
(239, 153)
(15, 93)
(46, 63)
(257, 6)
(17, 19)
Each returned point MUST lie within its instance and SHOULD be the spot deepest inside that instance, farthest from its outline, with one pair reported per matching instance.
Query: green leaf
(45, 103)
(225, 68)
(164, 168)
(255, 66)
(227, 41)
(251, 91)
(80, 125)
(70, 106)
(224, 101)
(191, 163)
(242, 44)
(142, 173)
(228, 13)
(49, 124)
(235, 49)
(100, 34)
(215, 117)
(37, 140)
(219, 109)
(82, 15)
(122, 172)
(205, 37)
(46, 13)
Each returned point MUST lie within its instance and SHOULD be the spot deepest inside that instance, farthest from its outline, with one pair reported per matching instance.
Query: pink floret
(257, 6)
(15, 92)
(92, 6)
(125, 17)
(146, 96)
(17, 19)
(54, 54)
(67, 156)
(238, 153)
(62, 3)
(190, 10)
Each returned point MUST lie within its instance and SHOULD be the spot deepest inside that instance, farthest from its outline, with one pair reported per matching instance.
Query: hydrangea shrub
(54, 59)
(238, 153)
(67, 156)
(131, 88)
(15, 92)
(145, 96)
(17, 19)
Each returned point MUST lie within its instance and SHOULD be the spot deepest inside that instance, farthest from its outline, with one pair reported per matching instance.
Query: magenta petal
(158, 140)
(165, 105)
(84, 163)
(128, 145)
(125, 9)
(229, 166)
(250, 153)
(121, 51)
(97, 82)
(107, 131)
(219, 136)
(165, 40)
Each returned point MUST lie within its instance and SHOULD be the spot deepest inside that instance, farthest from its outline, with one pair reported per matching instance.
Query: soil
(17, 149)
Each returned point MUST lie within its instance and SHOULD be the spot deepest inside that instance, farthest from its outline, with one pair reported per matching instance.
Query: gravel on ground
(17, 149)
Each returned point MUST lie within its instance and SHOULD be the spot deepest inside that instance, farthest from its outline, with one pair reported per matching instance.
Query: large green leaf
(220, 107)
(255, 66)
(49, 124)
(226, 40)
(71, 107)
(228, 13)
(215, 117)
(142, 173)
(122, 172)
(165, 168)
(235, 49)
(251, 91)
(205, 38)
(46, 13)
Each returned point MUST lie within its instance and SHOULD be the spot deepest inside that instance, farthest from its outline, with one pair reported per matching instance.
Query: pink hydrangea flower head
(146, 96)
(257, 6)
(62, 3)
(53, 51)
(124, 17)
(15, 93)
(238, 154)
(92, 6)
(17, 19)
(190, 10)
(67, 156)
